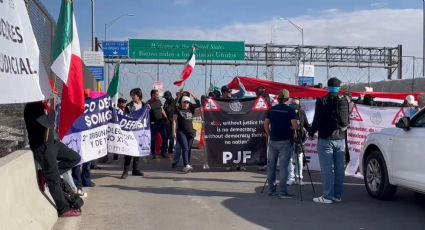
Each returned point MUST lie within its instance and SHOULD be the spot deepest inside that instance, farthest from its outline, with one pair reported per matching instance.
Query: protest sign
(130, 134)
(234, 133)
(89, 133)
(364, 120)
(22, 75)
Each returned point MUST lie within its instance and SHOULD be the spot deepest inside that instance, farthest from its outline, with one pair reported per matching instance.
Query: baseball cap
(411, 100)
(167, 94)
(334, 82)
(185, 98)
(284, 94)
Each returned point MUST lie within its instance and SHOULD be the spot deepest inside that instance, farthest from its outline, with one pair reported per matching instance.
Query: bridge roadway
(218, 199)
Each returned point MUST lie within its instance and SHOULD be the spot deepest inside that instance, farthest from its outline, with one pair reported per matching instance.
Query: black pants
(158, 127)
(56, 158)
(169, 140)
(127, 161)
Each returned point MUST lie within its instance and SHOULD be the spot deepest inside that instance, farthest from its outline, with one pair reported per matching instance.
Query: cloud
(380, 27)
(378, 4)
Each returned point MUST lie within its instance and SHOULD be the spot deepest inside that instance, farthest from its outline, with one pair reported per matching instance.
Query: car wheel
(376, 177)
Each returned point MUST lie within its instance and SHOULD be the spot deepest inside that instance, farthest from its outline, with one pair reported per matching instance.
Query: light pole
(93, 45)
(423, 38)
(301, 30)
(107, 25)
(110, 23)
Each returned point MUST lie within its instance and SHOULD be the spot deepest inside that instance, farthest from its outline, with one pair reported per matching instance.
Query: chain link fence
(12, 125)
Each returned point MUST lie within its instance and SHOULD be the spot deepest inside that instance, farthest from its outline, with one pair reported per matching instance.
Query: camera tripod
(297, 168)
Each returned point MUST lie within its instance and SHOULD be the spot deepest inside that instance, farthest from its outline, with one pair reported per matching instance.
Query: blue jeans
(177, 153)
(184, 140)
(332, 158)
(81, 175)
(281, 150)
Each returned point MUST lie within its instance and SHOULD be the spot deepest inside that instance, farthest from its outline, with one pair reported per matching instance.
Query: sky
(325, 22)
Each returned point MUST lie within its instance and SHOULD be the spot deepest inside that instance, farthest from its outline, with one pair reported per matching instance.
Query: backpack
(74, 200)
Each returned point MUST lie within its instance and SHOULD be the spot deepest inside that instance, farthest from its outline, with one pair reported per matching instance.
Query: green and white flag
(113, 86)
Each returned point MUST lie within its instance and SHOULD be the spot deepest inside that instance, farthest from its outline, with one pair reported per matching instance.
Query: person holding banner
(279, 125)
(183, 130)
(136, 104)
(331, 120)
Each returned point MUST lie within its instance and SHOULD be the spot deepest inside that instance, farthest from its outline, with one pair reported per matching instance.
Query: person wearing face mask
(331, 120)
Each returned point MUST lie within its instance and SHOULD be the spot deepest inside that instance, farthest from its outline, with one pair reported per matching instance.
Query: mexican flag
(68, 66)
(113, 86)
(187, 71)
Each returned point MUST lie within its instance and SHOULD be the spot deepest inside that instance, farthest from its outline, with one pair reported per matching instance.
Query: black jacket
(303, 125)
(129, 108)
(331, 117)
(170, 108)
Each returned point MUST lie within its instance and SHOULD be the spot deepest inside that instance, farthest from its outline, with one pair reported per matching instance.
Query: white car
(395, 157)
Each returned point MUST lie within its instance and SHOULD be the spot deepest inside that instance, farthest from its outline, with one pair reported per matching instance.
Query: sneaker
(124, 175)
(302, 183)
(81, 193)
(337, 200)
(137, 173)
(188, 168)
(91, 184)
(322, 200)
(274, 193)
(291, 182)
(70, 213)
(285, 196)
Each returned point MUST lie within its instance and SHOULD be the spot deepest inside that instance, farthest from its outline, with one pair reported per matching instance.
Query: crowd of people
(286, 127)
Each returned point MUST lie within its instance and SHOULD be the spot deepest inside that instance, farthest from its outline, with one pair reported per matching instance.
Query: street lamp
(301, 30)
(93, 45)
(423, 38)
(107, 25)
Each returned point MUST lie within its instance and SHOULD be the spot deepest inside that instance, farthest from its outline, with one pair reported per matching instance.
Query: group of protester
(172, 121)
(286, 127)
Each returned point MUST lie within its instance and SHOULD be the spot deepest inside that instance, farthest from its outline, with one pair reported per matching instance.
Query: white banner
(22, 75)
(363, 120)
(101, 130)
(130, 134)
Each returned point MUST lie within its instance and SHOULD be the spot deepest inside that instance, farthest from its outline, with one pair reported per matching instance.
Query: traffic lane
(357, 211)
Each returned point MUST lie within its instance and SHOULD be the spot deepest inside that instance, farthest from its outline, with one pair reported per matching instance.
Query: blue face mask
(333, 89)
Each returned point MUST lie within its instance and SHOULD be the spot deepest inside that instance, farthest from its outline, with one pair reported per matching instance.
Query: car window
(419, 120)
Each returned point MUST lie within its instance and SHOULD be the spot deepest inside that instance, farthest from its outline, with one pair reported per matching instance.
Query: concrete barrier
(22, 204)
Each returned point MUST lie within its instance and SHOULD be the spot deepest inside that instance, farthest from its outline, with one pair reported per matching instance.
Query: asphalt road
(219, 199)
